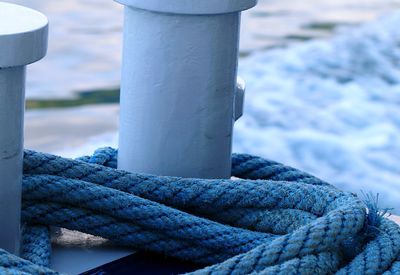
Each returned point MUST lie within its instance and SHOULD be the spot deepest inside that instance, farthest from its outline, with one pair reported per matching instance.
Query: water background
(85, 36)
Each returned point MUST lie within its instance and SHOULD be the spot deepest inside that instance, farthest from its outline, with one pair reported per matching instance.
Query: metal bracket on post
(239, 98)
(179, 86)
(23, 40)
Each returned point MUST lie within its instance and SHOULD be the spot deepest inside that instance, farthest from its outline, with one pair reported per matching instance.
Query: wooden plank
(395, 218)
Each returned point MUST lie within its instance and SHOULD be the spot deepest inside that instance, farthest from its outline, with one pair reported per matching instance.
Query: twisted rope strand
(36, 244)
(122, 233)
(147, 214)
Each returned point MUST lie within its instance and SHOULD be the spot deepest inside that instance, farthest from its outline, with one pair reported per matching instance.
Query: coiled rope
(272, 220)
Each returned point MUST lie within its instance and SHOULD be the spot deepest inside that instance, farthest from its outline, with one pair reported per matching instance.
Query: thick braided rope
(36, 246)
(251, 167)
(52, 193)
(276, 221)
(243, 166)
(10, 264)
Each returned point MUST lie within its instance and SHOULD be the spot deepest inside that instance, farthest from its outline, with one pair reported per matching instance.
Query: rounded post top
(23, 35)
(193, 7)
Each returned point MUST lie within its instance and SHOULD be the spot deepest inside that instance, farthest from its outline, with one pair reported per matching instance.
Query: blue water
(330, 107)
(85, 36)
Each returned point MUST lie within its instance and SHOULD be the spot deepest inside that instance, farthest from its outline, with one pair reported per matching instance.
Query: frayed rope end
(374, 216)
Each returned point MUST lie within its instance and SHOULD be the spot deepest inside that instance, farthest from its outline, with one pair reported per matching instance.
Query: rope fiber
(273, 219)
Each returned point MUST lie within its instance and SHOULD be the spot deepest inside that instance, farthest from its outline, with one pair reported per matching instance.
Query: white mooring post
(179, 86)
(23, 40)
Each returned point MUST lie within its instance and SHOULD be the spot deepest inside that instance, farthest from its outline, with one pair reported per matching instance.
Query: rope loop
(272, 219)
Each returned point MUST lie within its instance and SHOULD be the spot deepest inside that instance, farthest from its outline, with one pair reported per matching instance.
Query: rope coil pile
(272, 220)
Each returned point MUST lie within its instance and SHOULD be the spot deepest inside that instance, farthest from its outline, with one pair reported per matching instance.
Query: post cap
(194, 7)
(23, 35)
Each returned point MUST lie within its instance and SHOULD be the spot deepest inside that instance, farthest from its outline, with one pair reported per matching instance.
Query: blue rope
(273, 220)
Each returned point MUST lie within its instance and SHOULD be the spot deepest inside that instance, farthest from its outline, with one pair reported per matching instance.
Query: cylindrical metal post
(23, 40)
(178, 86)
(11, 143)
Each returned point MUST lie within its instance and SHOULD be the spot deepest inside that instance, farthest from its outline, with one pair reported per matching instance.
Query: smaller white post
(23, 40)
(179, 90)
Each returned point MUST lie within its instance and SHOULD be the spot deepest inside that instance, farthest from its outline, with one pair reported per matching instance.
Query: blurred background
(323, 86)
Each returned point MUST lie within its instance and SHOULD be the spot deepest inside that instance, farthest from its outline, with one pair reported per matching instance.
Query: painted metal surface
(178, 87)
(239, 98)
(191, 6)
(11, 144)
(23, 40)
(23, 35)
